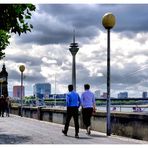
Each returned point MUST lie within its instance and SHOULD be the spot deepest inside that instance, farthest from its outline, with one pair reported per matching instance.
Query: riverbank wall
(134, 125)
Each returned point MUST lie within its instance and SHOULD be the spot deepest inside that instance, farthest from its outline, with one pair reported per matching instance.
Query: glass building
(42, 90)
(144, 95)
(123, 95)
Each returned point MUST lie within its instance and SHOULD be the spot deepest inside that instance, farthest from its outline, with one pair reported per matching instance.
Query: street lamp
(108, 22)
(55, 91)
(21, 68)
(73, 49)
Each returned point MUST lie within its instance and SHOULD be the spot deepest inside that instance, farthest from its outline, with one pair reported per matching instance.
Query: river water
(124, 108)
(119, 108)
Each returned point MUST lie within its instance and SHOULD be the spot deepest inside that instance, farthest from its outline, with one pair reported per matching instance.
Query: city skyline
(45, 52)
(98, 93)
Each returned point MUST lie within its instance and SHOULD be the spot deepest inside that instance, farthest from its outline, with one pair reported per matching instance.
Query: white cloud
(45, 54)
(91, 56)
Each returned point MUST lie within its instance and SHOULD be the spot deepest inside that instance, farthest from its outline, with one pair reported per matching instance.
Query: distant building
(42, 90)
(144, 95)
(97, 94)
(123, 95)
(17, 91)
(57, 96)
(104, 95)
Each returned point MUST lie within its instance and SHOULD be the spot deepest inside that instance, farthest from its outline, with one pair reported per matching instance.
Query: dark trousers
(2, 110)
(72, 112)
(7, 111)
(87, 113)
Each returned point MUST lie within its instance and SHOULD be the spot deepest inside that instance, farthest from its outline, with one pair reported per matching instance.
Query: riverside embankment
(132, 124)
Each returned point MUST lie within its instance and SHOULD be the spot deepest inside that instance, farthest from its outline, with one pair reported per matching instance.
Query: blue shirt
(73, 99)
(87, 99)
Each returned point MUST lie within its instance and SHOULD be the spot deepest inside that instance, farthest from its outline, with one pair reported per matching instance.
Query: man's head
(70, 87)
(86, 86)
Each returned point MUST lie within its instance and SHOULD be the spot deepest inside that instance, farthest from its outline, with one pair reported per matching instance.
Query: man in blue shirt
(88, 106)
(73, 104)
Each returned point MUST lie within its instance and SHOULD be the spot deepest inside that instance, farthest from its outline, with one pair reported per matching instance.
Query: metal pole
(21, 94)
(108, 83)
(55, 92)
(1, 88)
(74, 73)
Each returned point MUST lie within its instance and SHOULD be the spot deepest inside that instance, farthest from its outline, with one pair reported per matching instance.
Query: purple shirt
(87, 99)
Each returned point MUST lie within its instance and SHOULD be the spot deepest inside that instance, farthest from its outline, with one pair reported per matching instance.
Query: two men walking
(73, 103)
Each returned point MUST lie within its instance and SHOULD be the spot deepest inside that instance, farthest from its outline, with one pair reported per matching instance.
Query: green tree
(13, 19)
(4, 42)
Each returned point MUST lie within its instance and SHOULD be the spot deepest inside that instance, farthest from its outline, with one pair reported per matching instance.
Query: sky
(45, 50)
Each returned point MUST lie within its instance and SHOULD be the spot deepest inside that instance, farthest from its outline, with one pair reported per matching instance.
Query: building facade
(144, 95)
(57, 96)
(97, 94)
(17, 91)
(42, 90)
(3, 81)
(104, 95)
(123, 95)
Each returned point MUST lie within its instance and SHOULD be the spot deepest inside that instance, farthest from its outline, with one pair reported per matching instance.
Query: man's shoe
(88, 130)
(76, 136)
(64, 132)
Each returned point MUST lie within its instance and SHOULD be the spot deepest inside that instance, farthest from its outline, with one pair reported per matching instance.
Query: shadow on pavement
(96, 135)
(80, 137)
(14, 139)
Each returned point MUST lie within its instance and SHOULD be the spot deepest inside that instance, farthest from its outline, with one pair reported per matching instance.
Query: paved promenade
(21, 130)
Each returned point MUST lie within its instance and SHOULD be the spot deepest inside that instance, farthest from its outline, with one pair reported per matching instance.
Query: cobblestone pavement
(21, 130)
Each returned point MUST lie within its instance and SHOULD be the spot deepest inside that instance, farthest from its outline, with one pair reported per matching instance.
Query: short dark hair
(70, 87)
(86, 86)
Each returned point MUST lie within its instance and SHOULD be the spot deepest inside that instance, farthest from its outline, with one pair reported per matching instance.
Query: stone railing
(134, 125)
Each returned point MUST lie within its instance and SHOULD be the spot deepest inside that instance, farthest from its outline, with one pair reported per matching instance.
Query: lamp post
(1, 87)
(21, 68)
(108, 22)
(74, 49)
(55, 91)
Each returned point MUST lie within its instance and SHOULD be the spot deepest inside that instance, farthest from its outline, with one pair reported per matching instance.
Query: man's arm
(79, 100)
(94, 103)
(67, 99)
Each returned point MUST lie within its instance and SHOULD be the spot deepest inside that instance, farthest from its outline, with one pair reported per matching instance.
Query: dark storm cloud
(55, 22)
(13, 74)
(32, 63)
(28, 60)
(36, 77)
(79, 16)
(132, 18)
(60, 22)
(31, 79)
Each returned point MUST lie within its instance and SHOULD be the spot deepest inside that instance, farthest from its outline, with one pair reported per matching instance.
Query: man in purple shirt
(73, 104)
(88, 106)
